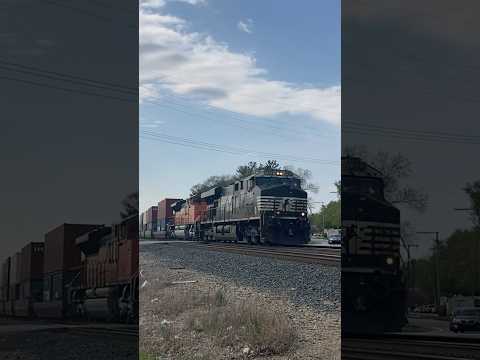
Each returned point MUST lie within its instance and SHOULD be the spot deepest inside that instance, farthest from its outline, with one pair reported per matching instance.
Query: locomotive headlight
(303, 214)
(389, 261)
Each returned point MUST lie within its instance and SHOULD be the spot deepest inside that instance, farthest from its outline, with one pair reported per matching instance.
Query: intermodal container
(190, 213)
(60, 252)
(165, 210)
(15, 271)
(32, 271)
(6, 278)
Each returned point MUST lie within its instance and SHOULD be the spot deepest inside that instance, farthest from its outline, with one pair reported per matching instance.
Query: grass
(145, 356)
(245, 322)
(202, 324)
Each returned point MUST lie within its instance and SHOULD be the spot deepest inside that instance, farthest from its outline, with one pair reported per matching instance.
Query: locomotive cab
(268, 207)
(373, 293)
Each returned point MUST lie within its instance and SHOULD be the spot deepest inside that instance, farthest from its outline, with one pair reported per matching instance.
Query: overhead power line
(409, 137)
(242, 117)
(115, 7)
(114, 86)
(251, 127)
(67, 89)
(408, 131)
(86, 12)
(228, 149)
(77, 82)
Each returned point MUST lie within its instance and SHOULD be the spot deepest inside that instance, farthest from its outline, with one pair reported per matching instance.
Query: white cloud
(245, 26)
(145, 4)
(193, 2)
(195, 65)
(151, 124)
(154, 4)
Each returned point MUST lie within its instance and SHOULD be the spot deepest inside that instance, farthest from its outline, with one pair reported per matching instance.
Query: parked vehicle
(334, 239)
(465, 319)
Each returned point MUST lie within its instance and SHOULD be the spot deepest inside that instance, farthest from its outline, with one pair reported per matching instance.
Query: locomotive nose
(283, 191)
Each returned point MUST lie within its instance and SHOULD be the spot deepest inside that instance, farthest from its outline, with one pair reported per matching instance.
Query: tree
(252, 168)
(473, 191)
(338, 186)
(457, 266)
(305, 176)
(247, 170)
(211, 182)
(329, 215)
(129, 205)
(395, 169)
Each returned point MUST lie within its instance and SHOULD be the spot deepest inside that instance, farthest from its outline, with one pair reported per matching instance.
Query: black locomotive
(269, 207)
(373, 289)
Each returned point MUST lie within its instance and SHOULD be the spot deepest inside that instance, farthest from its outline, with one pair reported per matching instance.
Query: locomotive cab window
(251, 184)
(368, 186)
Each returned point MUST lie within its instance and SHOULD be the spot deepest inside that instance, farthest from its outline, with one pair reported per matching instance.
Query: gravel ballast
(313, 285)
(306, 295)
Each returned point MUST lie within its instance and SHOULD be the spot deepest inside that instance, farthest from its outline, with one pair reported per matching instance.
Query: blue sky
(246, 77)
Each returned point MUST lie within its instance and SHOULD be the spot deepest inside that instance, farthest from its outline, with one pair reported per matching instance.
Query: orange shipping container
(190, 213)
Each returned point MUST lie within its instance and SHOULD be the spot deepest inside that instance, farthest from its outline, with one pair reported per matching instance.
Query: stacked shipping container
(62, 267)
(165, 214)
(5, 285)
(151, 218)
(44, 278)
(31, 278)
(14, 283)
(190, 212)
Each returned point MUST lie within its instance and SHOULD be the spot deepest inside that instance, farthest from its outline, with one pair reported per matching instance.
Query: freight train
(268, 207)
(79, 271)
(373, 286)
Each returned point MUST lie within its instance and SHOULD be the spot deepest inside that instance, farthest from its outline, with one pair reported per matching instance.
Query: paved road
(314, 241)
(434, 327)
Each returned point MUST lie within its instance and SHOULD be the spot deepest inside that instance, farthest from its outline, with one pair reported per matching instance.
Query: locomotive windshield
(365, 186)
(267, 181)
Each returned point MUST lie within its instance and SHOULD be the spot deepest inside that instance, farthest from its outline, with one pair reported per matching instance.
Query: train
(268, 207)
(79, 271)
(373, 284)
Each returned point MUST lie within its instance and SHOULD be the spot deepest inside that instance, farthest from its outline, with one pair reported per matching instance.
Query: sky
(410, 76)
(66, 156)
(223, 83)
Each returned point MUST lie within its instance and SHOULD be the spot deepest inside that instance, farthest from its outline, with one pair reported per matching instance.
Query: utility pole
(475, 257)
(323, 216)
(437, 265)
(411, 270)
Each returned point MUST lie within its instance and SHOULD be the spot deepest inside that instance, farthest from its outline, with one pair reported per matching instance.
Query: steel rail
(300, 254)
(395, 347)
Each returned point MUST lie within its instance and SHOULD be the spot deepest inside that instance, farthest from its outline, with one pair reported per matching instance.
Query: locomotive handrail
(75, 278)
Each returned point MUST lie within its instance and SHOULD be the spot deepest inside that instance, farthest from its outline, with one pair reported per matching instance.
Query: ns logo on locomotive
(268, 207)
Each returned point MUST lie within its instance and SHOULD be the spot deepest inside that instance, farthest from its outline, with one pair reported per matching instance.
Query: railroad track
(311, 254)
(130, 331)
(410, 347)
